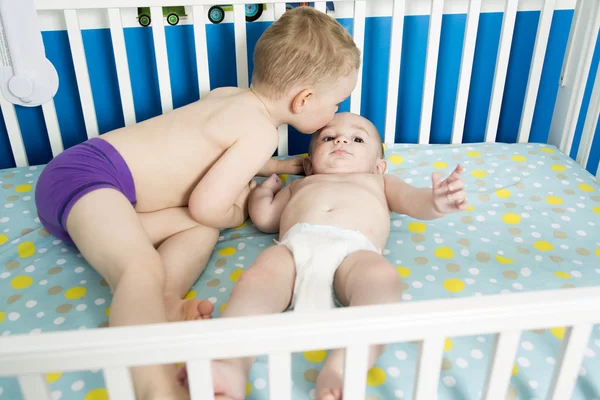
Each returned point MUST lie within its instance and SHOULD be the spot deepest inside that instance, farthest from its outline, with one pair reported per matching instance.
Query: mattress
(531, 225)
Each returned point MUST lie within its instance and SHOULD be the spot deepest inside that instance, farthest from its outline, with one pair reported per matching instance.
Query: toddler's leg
(363, 278)
(108, 232)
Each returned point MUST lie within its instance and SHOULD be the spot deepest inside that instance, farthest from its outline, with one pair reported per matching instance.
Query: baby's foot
(329, 384)
(188, 310)
(229, 379)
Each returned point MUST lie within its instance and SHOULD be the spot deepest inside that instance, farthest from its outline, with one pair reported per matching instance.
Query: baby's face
(348, 144)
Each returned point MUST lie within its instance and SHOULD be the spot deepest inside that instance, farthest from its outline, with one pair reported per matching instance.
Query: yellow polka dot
(227, 251)
(248, 389)
(558, 167)
(53, 377)
(504, 260)
(444, 252)
(315, 356)
(23, 188)
(479, 173)
(515, 370)
(448, 345)
(223, 307)
(503, 193)
(417, 227)
(97, 394)
(2, 316)
(454, 285)
(440, 165)
(403, 271)
(585, 187)
(283, 177)
(375, 377)
(303, 155)
(240, 227)
(235, 275)
(470, 208)
(384, 147)
(518, 158)
(563, 275)
(190, 295)
(542, 245)
(26, 249)
(511, 219)
(107, 311)
(473, 154)
(21, 282)
(547, 150)
(75, 293)
(554, 200)
(3, 239)
(558, 333)
(596, 210)
(395, 159)
(598, 251)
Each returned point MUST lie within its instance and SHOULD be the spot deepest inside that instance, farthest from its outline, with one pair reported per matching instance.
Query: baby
(144, 203)
(333, 225)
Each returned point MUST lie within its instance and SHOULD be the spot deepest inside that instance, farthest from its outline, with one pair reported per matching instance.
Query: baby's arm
(427, 203)
(292, 166)
(266, 204)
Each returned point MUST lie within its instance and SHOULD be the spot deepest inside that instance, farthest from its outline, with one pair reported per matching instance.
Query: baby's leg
(363, 278)
(185, 247)
(108, 232)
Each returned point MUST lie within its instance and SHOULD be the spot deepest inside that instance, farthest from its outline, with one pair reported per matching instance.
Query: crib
(561, 305)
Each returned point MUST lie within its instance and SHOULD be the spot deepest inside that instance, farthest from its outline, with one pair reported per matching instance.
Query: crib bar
(466, 68)
(279, 10)
(118, 42)
(199, 373)
(14, 132)
(508, 26)
(280, 376)
(429, 365)
(321, 6)
(282, 149)
(162, 60)
(360, 13)
(501, 364)
(119, 383)
(574, 343)
(241, 51)
(56, 142)
(535, 73)
(355, 372)
(394, 70)
(591, 121)
(201, 50)
(34, 387)
(81, 73)
(433, 47)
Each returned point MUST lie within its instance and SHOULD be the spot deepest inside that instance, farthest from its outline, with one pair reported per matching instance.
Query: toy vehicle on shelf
(216, 14)
(172, 14)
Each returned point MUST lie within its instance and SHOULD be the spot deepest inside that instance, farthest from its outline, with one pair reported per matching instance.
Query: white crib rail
(353, 328)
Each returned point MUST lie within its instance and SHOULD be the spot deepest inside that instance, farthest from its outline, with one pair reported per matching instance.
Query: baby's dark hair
(315, 136)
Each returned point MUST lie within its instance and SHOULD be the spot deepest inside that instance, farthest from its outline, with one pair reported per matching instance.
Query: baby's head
(348, 144)
(307, 62)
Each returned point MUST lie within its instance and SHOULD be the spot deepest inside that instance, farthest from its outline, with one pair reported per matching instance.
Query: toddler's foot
(188, 310)
(329, 384)
(229, 379)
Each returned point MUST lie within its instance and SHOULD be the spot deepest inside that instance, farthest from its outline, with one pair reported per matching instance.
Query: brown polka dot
(412, 151)
(446, 364)
(482, 256)
(556, 259)
(418, 238)
(596, 198)
(221, 262)
(464, 242)
(561, 176)
(583, 252)
(539, 331)
(65, 308)
(235, 236)
(399, 171)
(568, 286)
(510, 205)
(43, 232)
(560, 235)
(55, 290)
(55, 270)
(484, 197)
(523, 250)
(569, 191)
(7, 176)
(467, 220)
(103, 283)
(372, 397)
(479, 161)
(480, 183)
(514, 231)
(509, 274)
(103, 324)
(421, 260)
(26, 231)
(456, 158)
(213, 283)
(7, 186)
(310, 375)
(558, 210)
(404, 286)
(556, 158)
(520, 186)
(535, 198)
(501, 157)
(452, 267)
(13, 198)
(13, 298)
(423, 164)
(12, 264)
(520, 167)
(532, 152)
(512, 394)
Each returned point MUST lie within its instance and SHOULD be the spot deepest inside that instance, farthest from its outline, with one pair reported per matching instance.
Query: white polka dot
(29, 268)
(430, 278)
(538, 258)
(401, 355)
(464, 252)
(581, 233)
(517, 286)
(435, 268)
(589, 353)
(399, 394)
(1, 390)
(527, 345)
(518, 240)
(212, 300)
(523, 362)
(4, 220)
(576, 274)
(471, 228)
(393, 372)
(480, 339)
(43, 282)
(473, 271)
(493, 281)
(462, 363)
(83, 282)
(580, 205)
(99, 302)
(260, 384)
(13, 316)
(565, 218)
(449, 381)
(27, 198)
(56, 395)
(480, 218)
(533, 384)
(223, 290)
(81, 307)
(485, 240)
(59, 320)
(241, 246)
(536, 235)
(40, 314)
(469, 281)
(525, 272)
(79, 270)
(406, 296)
(9, 205)
(476, 354)
(4, 275)
(564, 247)
(492, 212)
(219, 271)
(31, 304)
(417, 284)
(77, 386)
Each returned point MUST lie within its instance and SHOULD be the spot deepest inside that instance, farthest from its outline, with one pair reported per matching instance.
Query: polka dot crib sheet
(531, 225)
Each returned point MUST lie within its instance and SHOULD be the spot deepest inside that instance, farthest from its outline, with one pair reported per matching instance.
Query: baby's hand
(272, 183)
(449, 195)
(242, 200)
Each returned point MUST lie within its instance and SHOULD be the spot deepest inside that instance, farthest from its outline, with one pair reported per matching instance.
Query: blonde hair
(303, 47)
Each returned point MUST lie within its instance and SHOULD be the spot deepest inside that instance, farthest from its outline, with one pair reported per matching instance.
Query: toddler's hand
(449, 195)
(272, 183)
(293, 166)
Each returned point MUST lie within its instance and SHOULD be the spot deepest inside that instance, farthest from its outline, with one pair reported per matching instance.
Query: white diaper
(318, 251)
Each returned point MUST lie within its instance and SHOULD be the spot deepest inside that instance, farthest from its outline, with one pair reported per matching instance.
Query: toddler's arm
(292, 166)
(266, 204)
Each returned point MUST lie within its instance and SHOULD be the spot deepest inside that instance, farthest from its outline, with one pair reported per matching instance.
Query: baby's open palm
(449, 195)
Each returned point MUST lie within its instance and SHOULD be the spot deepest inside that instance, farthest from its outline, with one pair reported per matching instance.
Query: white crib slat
(321, 6)
(14, 132)
(119, 383)
(81, 73)
(433, 46)
(162, 60)
(394, 70)
(282, 149)
(280, 376)
(241, 51)
(56, 142)
(279, 10)
(466, 68)
(355, 372)
(508, 27)
(200, 380)
(501, 364)
(429, 365)
(201, 51)
(574, 343)
(360, 13)
(591, 121)
(122, 64)
(535, 73)
(34, 387)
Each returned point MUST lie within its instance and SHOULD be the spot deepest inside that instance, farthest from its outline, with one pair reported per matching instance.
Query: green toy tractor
(216, 14)
(172, 14)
